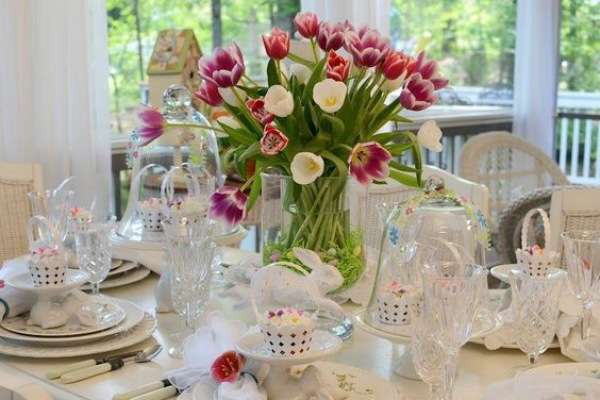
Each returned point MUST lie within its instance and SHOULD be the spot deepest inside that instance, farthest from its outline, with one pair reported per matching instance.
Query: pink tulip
(338, 67)
(277, 44)
(273, 141)
(153, 124)
(397, 64)
(418, 94)
(228, 203)
(429, 71)
(368, 47)
(208, 92)
(224, 68)
(331, 36)
(369, 161)
(258, 111)
(307, 24)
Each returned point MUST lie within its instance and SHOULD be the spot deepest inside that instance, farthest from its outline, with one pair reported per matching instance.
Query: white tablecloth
(478, 367)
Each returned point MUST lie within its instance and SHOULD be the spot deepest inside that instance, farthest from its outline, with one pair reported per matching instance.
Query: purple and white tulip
(418, 94)
(369, 161)
(208, 92)
(224, 67)
(429, 71)
(228, 203)
(368, 47)
(331, 36)
(153, 124)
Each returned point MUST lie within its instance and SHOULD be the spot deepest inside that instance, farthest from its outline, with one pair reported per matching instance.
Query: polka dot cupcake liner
(288, 341)
(48, 271)
(392, 309)
(151, 219)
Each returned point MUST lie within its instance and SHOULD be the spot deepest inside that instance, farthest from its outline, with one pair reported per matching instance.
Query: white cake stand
(279, 384)
(48, 296)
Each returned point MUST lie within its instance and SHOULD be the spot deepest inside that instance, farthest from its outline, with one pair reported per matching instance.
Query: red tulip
(368, 47)
(396, 65)
(224, 67)
(331, 36)
(418, 94)
(307, 24)
(153, 124)
(273, 141)
(369, 161)
(208, 92)
(429, 71)
(258, 111)
(277, 44)
(227, 367)
(228, 203)
(338, 67)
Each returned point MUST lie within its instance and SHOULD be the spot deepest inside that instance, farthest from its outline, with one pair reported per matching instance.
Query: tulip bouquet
(320, 118)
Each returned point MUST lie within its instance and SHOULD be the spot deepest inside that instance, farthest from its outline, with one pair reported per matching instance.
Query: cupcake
(393, 304)
(150, 211)
(47, 267)
(187, 207)
(287, 332)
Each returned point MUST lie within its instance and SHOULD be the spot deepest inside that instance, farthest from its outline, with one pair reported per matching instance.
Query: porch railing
(578, 146)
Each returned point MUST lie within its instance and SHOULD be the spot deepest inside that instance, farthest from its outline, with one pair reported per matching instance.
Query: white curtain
(54, 90)
(536, 71)
(374, 13)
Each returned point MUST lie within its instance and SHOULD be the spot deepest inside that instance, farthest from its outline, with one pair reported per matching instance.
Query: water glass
(190, 253)
(582, 253)
(94, 252)
(535, 310)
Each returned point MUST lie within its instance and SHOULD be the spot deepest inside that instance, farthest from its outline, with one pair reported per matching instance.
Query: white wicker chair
(15, 181)
(394, 192)
(573, 209)
(509, 166)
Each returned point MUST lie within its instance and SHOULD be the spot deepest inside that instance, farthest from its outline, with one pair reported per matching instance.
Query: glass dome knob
(434, 184)
(177, 99)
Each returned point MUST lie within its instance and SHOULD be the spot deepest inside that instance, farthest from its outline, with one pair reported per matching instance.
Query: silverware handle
(85, 373)
(150, 387)
(160, 394)
(57, 373)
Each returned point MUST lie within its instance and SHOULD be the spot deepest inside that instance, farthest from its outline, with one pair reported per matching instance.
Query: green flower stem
(282, 77)
(195, 126)
(252, 81)
(314, 50)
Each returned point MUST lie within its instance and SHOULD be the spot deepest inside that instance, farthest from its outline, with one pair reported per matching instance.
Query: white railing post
(587, 150)
(564, 133)
(598, 152)
(575, 149)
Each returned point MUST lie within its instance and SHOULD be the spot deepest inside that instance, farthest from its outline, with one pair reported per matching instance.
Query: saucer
(23, 281)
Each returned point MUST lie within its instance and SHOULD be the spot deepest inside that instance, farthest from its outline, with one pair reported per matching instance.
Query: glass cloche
(189, 147)
(437, 218)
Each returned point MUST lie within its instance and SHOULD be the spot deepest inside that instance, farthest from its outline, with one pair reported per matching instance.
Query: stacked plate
(123, 273)
(127, 326)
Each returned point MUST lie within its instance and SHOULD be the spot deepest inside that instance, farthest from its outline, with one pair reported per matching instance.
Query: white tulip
(303, 49)
(330, 95)
(307, 167)
(279, 101)
(301, 72)
(230, 98)
(229, 121)
(429, 136)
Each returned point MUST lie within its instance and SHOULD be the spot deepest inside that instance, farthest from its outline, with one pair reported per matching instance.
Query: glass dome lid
(436, 218)
(186, 155)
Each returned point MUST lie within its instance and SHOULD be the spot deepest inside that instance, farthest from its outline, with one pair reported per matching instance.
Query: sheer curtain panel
(536, 71)
(53, 90)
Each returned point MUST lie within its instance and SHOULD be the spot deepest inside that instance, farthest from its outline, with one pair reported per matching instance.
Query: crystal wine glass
(190, 253)
(582, 253)
(535, 310)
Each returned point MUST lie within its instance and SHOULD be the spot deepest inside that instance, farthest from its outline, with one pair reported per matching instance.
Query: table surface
(478, 367)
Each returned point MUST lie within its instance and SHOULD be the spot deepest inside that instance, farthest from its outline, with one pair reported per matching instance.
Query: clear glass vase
(325, 216)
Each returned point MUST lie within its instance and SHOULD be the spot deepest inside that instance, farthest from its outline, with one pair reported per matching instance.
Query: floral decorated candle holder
(533, 259)
(288, 332)
(47, 266)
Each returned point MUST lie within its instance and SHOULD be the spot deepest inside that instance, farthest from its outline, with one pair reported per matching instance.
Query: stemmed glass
(582, 253)
(94, 252)
(535, 310)
(190, 253)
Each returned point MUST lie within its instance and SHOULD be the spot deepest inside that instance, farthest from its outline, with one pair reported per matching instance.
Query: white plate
(587, 369)
(138, 334)
(23, 281)
(358, 384)
(252, 345)
(19, 324)
(123, 267)
(115, 263)
(128, 278)
(133, 318)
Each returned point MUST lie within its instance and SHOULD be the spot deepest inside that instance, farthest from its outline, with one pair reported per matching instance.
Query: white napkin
(544, 387)
(14, 301)
(569, 330)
